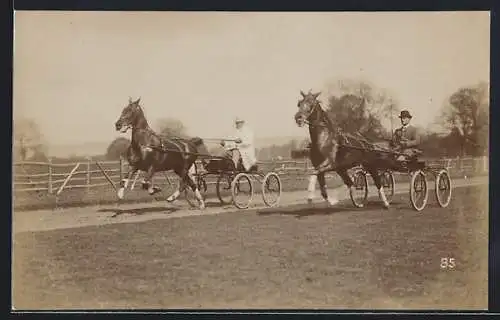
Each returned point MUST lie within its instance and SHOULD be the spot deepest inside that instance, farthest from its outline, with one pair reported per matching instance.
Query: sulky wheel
(223, 188)
(418, 190)
(242, 190)
(202, 187)
(388, 183)
(271, 189)
(360, 192)
(443, 188)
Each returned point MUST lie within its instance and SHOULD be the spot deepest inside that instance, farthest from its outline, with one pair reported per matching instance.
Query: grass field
(291, 257)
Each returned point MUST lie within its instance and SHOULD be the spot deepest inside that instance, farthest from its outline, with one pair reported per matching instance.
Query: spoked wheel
(360, 193)
(388, 183)
(418, 190)
(443, 188)
(242, 191)
(271, 189)
(202, 187)
(223, 188)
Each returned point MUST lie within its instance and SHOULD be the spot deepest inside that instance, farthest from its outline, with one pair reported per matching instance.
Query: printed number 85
(448, 263)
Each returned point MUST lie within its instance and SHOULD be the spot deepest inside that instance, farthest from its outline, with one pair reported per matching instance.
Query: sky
(75, 71)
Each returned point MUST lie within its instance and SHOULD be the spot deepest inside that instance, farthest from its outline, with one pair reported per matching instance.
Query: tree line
(354, 106)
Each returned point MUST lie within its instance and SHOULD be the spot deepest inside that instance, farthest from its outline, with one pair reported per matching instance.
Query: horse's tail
(199, 146)
(196, 141)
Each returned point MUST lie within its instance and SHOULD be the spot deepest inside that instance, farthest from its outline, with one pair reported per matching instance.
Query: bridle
(314, 106)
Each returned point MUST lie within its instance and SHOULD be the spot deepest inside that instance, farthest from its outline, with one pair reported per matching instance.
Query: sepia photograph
(250, 160)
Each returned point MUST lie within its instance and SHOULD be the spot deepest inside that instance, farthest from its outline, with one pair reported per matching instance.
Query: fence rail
(53, 178)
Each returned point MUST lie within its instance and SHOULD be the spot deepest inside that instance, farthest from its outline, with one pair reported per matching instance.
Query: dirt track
(106, 214)
(290, 257)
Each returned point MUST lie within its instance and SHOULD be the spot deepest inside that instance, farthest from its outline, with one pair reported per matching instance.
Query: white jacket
(246, 147)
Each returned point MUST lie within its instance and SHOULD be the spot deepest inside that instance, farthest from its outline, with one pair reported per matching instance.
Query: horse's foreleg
(324, 193)
(378, 183)
(124, 182)
(311, 188)
(147, 182)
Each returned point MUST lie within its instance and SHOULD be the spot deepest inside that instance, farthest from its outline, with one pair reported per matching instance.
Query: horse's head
(307, 106)
(130, 116)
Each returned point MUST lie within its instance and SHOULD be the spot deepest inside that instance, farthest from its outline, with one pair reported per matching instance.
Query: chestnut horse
(328, 152)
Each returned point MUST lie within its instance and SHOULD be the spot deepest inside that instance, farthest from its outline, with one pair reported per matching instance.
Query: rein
(329, 127)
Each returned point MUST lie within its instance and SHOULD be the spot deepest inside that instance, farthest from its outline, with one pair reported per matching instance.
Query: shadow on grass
(138, 211)
(304, 210)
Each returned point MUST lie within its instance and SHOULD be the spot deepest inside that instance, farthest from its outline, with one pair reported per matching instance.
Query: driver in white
(243, 147)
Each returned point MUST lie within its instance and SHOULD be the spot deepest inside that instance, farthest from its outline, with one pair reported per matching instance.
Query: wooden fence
(53, 178)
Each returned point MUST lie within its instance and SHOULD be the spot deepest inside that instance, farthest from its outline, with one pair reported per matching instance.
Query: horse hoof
(309, 201)
(154, 191)
(332, 202)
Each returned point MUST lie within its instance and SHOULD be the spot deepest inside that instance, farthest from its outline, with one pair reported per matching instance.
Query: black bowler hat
(405, 114)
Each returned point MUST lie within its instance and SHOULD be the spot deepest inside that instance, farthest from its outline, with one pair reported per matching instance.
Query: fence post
(49, 187)
(121, 168)
(89, 159)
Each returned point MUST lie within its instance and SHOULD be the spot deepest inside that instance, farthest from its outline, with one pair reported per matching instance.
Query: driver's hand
(238, 140)
(223, 143)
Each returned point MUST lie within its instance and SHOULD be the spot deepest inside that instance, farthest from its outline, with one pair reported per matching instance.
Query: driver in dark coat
(406, 138)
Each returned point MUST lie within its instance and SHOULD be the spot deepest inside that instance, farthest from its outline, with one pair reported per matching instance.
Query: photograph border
(200, 5)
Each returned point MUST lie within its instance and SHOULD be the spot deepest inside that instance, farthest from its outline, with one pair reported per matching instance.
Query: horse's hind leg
(324, 193)
(181, 173)
(378, 183)
(190, 181)
(124, 182)
(182, 186)
(346, 179)
(147, 182)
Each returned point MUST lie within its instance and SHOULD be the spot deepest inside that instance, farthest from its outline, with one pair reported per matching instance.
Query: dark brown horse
(328, 153)
(151, 153)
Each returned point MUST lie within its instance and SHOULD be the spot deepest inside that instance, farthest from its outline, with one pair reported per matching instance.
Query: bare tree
(467, 115)
(171, 127)
(28, 142)
(117, 148)
(357, 106)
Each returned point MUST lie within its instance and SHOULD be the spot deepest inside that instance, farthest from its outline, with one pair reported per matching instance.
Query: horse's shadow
(138, 211)
(318, 209)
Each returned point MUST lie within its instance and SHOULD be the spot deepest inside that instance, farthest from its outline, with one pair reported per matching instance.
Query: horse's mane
(326, 115)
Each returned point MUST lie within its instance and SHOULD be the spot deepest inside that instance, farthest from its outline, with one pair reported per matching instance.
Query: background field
(290, 257)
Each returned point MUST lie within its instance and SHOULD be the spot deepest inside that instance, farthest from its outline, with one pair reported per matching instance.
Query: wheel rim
(271, 189)
(443, 189)
(360, 194)
(223, 187)
(242, 191)
(388, 185)
(418, 191)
